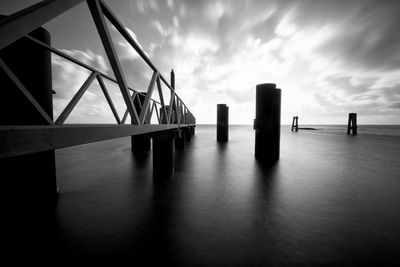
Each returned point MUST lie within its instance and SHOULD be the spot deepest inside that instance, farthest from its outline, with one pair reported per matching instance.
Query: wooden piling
(180, 140)
(295, 124)
(268, 122)
(352, 124)
(163, 154)
(222, 122)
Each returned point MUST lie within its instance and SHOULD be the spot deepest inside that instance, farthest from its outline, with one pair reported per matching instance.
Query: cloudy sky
(329, 57)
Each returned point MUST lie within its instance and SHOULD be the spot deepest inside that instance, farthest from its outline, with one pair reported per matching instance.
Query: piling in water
(180, 140)
(222, 122)
(31, 177)
(187, 134)
(295, 124)
(268, 122)
(352, 124)
(163, 154)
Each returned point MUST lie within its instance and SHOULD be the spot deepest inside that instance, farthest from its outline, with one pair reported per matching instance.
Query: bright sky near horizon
(329, 57)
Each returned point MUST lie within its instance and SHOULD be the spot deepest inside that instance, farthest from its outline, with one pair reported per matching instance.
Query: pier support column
(140, 144)
(30, 178)
(295, 123)
(187, 135)
(268, 122)
(180, 141)
(352, 124)
(222, 122)
(163, 154)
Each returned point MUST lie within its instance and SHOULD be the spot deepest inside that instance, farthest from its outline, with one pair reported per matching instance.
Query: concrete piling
(295, 124)
(187, 134)
(29, 177)
(180, 140)
(268, 122)
(163, 154)
(222, 122)
(352, 124)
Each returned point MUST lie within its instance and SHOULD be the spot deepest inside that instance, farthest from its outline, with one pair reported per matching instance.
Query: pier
(142, 189)
(29, 134)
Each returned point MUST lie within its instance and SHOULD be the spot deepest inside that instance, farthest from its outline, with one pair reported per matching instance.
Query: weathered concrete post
(222, 122)
(30, 178)
(140, 144)
(268, 122)
(295, 123)
(163, 154)
(352, 123)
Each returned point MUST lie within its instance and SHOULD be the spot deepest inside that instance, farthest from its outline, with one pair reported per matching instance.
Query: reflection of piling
(352, 124)
(140, 143)
(163, 154)
(295, 123)
(31, 176)
(267, 122)
(222, 122)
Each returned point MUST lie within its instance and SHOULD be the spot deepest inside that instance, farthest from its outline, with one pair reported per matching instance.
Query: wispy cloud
(329, 57)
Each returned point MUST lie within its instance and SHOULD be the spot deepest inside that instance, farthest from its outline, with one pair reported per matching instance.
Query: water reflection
(222, 207)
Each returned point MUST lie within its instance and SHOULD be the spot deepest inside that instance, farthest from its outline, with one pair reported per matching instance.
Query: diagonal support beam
(162, 99)
(126, 111)
(149, 114)
(64, 115)
(101, 26)
(121, 29)
(148, 98)
(28, 19)
(178, 111)
(171, 106)
(108, 98)
(25, 92)
(158, 115)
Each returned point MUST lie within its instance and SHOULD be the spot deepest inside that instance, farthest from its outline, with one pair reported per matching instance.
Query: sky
(329, 57)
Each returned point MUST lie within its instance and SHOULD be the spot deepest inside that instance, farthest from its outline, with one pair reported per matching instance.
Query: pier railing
(23, 139)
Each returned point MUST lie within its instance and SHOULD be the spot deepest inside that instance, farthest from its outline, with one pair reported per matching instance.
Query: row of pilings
(163, 145)
(351, 124)
(267, 124)
(33, 176)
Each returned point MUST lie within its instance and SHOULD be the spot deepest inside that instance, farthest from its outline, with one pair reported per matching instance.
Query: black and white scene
(200, 132)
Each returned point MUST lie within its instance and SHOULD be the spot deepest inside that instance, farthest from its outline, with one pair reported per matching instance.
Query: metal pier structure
(27, 127)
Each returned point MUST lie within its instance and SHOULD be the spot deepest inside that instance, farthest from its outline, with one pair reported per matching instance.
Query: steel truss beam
(22, 140)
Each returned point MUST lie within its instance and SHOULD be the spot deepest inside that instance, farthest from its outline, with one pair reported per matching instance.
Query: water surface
(331, 199)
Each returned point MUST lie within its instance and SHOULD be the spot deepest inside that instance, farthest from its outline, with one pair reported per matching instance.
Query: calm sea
(331, 200)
